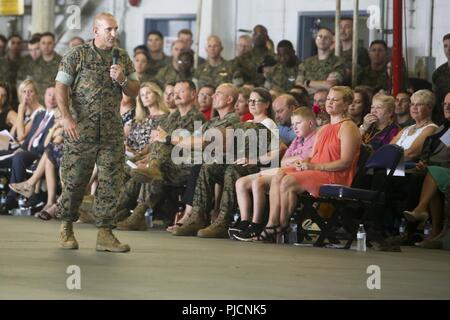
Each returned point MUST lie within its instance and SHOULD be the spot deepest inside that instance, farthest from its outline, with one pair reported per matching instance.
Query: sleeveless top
(406, 140)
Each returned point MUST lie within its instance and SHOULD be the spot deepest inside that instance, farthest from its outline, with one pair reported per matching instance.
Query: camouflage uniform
(145, 77)
(95, 108)
(248, 63)
(363, 57)
(4, 70)
(155, 65)
(25, 71)
(373, 78)
(207, 74)
(169, 74)
(225, 175)
(282, 77)
(44, 73)
(441, 84)
(319, 70)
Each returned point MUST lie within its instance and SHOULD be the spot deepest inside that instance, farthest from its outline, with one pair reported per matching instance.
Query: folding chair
(341, 197)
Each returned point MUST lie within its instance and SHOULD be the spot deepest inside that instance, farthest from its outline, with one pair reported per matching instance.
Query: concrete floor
(161, 266)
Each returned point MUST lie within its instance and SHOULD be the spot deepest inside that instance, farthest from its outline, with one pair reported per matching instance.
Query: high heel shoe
(413, 216)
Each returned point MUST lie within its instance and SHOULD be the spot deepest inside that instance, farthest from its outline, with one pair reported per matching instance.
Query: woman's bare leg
(260, 187)
(244, 199)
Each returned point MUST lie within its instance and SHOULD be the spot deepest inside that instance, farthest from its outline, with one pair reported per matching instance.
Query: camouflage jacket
(282, 77)
(95, 97)
(441, 81)
(207, 74)
(373, 78)
(319, 70)
(155, 65)
(44, 73)
(363, 57)
(24, 71)
(9, 69)
(169, 74)
(248, 63)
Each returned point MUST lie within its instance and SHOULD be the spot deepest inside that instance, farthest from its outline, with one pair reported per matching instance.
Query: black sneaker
(247, 235)
(238, 227)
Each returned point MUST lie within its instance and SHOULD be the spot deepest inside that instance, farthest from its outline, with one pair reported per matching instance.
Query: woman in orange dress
(334, 160)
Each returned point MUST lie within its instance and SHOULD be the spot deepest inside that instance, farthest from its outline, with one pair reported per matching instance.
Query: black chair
(348, 200)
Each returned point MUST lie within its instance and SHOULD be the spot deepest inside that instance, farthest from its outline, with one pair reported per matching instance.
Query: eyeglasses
(255, 101)
(183, 61)
(321, 36)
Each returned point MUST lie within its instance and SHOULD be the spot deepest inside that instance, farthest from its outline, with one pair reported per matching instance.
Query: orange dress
(328, 149)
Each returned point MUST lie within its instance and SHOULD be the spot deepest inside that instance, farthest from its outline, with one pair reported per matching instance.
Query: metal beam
(337, 35)
(355, 42)
(397, 50)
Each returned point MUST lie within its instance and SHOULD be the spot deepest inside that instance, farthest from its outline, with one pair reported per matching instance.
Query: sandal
(44, 215)
(266, 236)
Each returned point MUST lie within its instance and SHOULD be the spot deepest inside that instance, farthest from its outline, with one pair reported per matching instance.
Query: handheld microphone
(115, 56)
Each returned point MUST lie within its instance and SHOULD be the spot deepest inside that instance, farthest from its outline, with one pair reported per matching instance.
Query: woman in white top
(29, 106)
(411, 138)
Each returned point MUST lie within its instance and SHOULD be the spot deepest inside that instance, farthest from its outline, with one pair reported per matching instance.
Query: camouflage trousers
(151, 193)
(76, 169)
(225, 175)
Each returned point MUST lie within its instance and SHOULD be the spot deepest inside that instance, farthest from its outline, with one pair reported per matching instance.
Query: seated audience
(334, 159)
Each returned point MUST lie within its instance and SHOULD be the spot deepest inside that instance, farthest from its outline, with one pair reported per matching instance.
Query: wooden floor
(161, 266)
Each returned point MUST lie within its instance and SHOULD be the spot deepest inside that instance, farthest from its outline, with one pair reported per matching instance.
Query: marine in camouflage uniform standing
(285, 72)
(93, 129)
(215, 70)
(34, 54)
(247, 64)
(441, 80)
(10, 65)
(324, 70)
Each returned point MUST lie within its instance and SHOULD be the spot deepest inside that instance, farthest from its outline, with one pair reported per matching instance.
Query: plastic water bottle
(3, 197)
(149, 218)
(361, 239)
(427, 229)
(293, 231)
(402, 228)
(23, 207)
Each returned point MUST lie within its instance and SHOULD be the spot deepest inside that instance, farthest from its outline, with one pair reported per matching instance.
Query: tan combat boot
(106, 241)
(191, 226)
(135, 222)
(147, 175)
(67, 238)
(218, 229)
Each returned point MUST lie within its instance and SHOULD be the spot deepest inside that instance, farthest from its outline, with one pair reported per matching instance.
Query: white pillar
(43, 16)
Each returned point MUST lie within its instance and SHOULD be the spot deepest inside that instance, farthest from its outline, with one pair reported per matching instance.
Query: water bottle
(361, 239)
(149, 218)
(3, 197)
(427, 229)
(402, 228)
(23, 207)
(293, 231)
(22, 202)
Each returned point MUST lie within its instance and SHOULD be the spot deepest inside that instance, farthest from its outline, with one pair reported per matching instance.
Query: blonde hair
(347, 93)
(141, 111)
(24, 84)
(385, 100)
(426, 97)
(304, 113)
